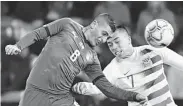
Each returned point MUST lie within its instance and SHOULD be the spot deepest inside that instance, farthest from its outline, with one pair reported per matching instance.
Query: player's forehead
(114, 36)
(119, 34)
(105, 27)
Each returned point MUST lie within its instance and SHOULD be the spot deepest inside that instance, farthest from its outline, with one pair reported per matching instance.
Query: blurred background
(21, 17)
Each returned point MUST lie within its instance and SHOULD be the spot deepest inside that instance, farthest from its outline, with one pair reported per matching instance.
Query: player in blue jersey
(67, 52)
(138, 69)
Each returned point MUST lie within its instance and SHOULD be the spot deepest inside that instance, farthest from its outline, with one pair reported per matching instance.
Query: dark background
(19, 17)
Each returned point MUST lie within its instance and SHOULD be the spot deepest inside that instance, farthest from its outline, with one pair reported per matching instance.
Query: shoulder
(66, 19)
(60, 22)
(70, 21)
(144, 48)
(111, 64)
(71, 24)
(76, 23)
(147, 49)
(63, 21)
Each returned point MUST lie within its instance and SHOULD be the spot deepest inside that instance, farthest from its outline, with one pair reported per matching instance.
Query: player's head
(120, 42)
(100, 29)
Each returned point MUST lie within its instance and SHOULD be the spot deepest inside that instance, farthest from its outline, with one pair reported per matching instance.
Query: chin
(92, 44)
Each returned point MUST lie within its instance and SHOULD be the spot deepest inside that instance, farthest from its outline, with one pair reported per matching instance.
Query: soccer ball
(159, 33)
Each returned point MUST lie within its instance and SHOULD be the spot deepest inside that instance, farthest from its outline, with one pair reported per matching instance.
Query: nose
(113, 47)
(104, 39)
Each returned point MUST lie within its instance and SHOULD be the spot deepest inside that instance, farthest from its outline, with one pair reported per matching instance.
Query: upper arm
(93, 70)
(171, 58)
(56, 26)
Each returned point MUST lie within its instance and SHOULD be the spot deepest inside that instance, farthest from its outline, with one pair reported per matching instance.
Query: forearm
(113, 92)
(32, 37)
(86, 88)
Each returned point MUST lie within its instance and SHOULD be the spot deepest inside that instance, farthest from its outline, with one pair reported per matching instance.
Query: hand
(12, 50)
(79, 88)
(141, 98)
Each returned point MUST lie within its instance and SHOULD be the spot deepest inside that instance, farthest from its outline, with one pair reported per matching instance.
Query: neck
(86, 32)
(129, 52)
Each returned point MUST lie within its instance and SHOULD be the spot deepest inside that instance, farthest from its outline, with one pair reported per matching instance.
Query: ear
(94, 24)
(130, 39)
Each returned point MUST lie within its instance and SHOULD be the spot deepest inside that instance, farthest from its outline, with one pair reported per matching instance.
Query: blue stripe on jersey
(158, 93)
(155, 59)
(159, 79)
(165, 102)
(145, 51)
(153, 69)
(154, 82)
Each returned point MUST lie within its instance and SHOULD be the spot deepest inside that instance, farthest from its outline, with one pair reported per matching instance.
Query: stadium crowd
(19, 18)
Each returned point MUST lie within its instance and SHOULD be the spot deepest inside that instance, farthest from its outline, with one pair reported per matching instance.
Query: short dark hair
(110, 21)
(122, 26)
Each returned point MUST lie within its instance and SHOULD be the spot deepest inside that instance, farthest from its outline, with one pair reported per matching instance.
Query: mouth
(118, 52)
(98, 42)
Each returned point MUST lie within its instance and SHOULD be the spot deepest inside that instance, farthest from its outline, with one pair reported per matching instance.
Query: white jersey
(143, 72)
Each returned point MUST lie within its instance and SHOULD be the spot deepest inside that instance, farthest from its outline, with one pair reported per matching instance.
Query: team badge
(81, 45)
(146, 62)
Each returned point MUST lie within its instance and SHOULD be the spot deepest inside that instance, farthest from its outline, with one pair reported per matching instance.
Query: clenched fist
(142, 100)
(80, 88)
(12, 50)
(85, 88)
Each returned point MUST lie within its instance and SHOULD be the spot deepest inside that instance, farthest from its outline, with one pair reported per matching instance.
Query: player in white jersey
(138, 69)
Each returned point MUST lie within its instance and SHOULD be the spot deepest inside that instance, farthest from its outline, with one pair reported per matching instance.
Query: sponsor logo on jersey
(126, 72)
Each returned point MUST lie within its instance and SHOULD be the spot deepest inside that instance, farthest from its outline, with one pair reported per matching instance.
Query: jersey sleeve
(50, 29)
(171, 58)
(56, 26)
(95, 73)
(93, 70)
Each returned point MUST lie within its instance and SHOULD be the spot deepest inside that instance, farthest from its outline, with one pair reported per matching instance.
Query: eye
(116, 41)
(104, 33)
(109, 44)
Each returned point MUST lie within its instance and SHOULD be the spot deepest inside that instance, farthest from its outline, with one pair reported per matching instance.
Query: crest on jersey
(146, 62)
(81, 45)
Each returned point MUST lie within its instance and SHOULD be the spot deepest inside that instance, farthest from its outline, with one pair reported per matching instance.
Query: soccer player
(138, 69)
(67, 52)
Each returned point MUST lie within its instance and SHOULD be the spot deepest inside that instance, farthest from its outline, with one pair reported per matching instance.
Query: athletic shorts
(37, 97)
